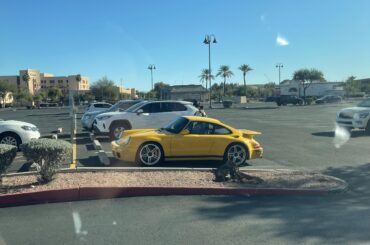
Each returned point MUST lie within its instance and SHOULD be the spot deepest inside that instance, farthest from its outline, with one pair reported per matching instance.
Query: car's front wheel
(237, 153)
(10, 139)
(149, 154)
(116, 130)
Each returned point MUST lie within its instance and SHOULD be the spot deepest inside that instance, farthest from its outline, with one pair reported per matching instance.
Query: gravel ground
(271, 179)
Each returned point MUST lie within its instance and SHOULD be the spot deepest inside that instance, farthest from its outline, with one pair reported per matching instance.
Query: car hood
(15, 123)
(112, 113)
(94, 113)
(141, 132)
(354, 110)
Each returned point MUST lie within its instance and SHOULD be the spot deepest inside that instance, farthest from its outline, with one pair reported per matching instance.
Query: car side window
(151, 108)
(172, 106)
(200, 128)
(218, 129)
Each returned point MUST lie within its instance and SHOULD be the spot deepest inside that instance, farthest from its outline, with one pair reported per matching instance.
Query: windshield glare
(176, 125)
(364, 103)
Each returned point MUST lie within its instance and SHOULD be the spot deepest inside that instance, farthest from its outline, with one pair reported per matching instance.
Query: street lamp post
(151, 68)
(279, 66)
(208, 40)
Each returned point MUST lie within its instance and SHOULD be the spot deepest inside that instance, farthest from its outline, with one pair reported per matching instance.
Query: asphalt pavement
(331, 219)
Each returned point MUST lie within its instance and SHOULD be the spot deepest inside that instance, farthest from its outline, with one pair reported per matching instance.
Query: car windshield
(364, 103)
(176, 125)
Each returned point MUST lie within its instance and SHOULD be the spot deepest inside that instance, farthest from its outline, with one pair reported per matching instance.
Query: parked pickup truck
(288, 99)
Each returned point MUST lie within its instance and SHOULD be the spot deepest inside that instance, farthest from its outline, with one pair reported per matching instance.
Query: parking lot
(296, 137)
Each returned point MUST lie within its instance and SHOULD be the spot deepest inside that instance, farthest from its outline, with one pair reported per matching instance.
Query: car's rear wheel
(149, 154)
(116, 130)
(237, 153)
(10, 139)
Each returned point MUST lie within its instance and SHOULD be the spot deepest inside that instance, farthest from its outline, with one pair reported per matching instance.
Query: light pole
(208, 40)
(151, 68)
(279, 66)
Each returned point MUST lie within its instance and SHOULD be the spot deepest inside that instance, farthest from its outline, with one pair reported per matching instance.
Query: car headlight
(103, 118)
(363, 115)
(124, 141)
(28, 128)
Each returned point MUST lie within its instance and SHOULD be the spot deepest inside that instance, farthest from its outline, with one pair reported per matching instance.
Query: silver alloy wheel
(9, 140)
(237, 154)
(117, 132)
(150, 154)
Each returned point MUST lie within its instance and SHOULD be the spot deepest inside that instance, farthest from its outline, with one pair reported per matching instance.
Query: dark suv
(289, 99)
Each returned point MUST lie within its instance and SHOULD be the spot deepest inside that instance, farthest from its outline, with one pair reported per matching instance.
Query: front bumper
(352, 123)
(99, 127)
(30, 135)
(123, 152)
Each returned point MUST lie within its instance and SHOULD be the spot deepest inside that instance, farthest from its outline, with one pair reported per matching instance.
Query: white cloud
(262, 17)
(281, 41)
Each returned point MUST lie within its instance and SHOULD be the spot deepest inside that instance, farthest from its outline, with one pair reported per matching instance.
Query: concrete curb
(95, 193)
(102, 155)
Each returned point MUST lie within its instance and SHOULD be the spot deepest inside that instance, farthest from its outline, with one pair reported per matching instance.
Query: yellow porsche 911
(187, 138)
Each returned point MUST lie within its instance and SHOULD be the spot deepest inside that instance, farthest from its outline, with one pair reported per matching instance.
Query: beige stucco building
(129, 92)
(35, 81)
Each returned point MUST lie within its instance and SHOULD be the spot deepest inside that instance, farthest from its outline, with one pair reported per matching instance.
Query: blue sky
(120, 39)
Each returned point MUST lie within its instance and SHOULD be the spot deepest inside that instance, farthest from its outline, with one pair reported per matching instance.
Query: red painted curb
(38, 197)
(94, 193)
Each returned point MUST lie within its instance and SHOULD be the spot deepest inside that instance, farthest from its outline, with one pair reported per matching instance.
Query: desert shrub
(48, 154)
(7, 155)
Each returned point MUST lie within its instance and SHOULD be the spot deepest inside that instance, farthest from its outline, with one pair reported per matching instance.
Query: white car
(355, 117)
(122, 105)
(146, 114)
(17, 132)
(98, 106)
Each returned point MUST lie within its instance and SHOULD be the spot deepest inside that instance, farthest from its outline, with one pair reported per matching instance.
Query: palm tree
(245, 69)
(205, 76)
(224, 72)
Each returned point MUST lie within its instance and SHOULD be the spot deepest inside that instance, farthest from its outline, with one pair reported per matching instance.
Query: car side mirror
(185, 132)
(139, 112)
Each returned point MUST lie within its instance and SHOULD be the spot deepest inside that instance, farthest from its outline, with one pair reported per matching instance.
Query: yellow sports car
(187, 138)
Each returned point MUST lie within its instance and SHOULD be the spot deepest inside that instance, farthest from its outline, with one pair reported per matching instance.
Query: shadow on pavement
(338, 218)
(91, 161)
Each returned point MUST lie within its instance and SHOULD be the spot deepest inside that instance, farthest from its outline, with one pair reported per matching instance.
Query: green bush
(227, 103)
(49, 154)
(7, 155)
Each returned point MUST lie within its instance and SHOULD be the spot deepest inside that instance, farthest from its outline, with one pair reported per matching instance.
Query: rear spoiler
(249, 133)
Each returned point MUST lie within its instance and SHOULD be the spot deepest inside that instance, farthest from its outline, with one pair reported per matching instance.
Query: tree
(224, 72)
(205, 77)
(23, 95)
(351, 86)
(306, 77)
(158, 89)
(55, 93)
(5, 88)
(245, 69)
(105, 89)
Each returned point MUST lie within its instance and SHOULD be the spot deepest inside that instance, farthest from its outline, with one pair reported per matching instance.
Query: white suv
(146, 114)
(355, 117)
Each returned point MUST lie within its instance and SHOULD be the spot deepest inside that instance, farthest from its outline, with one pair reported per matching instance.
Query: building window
(51, 81)
(67, 81)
